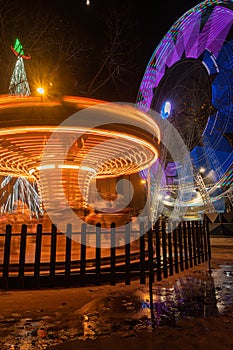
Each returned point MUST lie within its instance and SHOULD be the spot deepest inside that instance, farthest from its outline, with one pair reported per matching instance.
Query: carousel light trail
(28, 124)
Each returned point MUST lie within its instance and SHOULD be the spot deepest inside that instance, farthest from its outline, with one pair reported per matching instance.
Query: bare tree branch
(117, 51)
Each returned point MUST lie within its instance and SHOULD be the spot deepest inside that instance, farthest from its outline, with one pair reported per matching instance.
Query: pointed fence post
(37, 256)
(83, 254)
(22, 256)
(113, 254)
(175, 250)
(151, 276)
(158, 254)
(180, 240)
(142, 254)
(194, 243)
(164, 243)
(68, 250)
(201, 231)
(53, 254)
(127, 254)
(170, 252)
(190, 244)
(6, 259)
(98, 253)
(198, 239)
(208, 245)
(185, 245)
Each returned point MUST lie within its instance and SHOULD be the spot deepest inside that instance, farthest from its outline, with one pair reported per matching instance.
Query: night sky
(148, 21)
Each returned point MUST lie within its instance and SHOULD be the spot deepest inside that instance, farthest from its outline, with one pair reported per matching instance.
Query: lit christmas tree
(19, 84)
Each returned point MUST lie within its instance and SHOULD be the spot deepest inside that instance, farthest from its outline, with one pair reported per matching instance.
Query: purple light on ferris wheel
(186, 37)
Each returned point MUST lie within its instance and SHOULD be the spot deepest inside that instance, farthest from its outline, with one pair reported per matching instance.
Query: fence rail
(160, 252)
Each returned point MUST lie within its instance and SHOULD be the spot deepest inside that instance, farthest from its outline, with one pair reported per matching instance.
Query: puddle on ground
(191, 296)
(223, 283)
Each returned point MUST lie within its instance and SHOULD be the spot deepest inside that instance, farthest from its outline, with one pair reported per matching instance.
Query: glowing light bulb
(166, 110)
(40, 90)
(87, 2)
(202, 170)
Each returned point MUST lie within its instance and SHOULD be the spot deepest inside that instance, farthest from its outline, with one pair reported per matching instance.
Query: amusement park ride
(188, 82)
(79, 139)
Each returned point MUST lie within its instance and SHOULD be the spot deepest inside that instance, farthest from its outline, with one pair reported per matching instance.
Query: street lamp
(41, 91)
(202, 170)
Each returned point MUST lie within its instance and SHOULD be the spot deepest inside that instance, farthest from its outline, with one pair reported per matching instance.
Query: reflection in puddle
(189, 297)
(192, 296)
(223, 279)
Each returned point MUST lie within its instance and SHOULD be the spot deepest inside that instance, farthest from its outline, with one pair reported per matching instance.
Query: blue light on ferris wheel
(166, 110)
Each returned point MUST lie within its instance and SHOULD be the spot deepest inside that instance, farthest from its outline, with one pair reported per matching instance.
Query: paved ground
(105, 316)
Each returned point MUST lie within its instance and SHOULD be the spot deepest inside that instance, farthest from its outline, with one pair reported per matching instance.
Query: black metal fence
(158, 253)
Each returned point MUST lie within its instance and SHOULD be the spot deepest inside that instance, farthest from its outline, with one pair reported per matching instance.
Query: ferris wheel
(189, 82)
